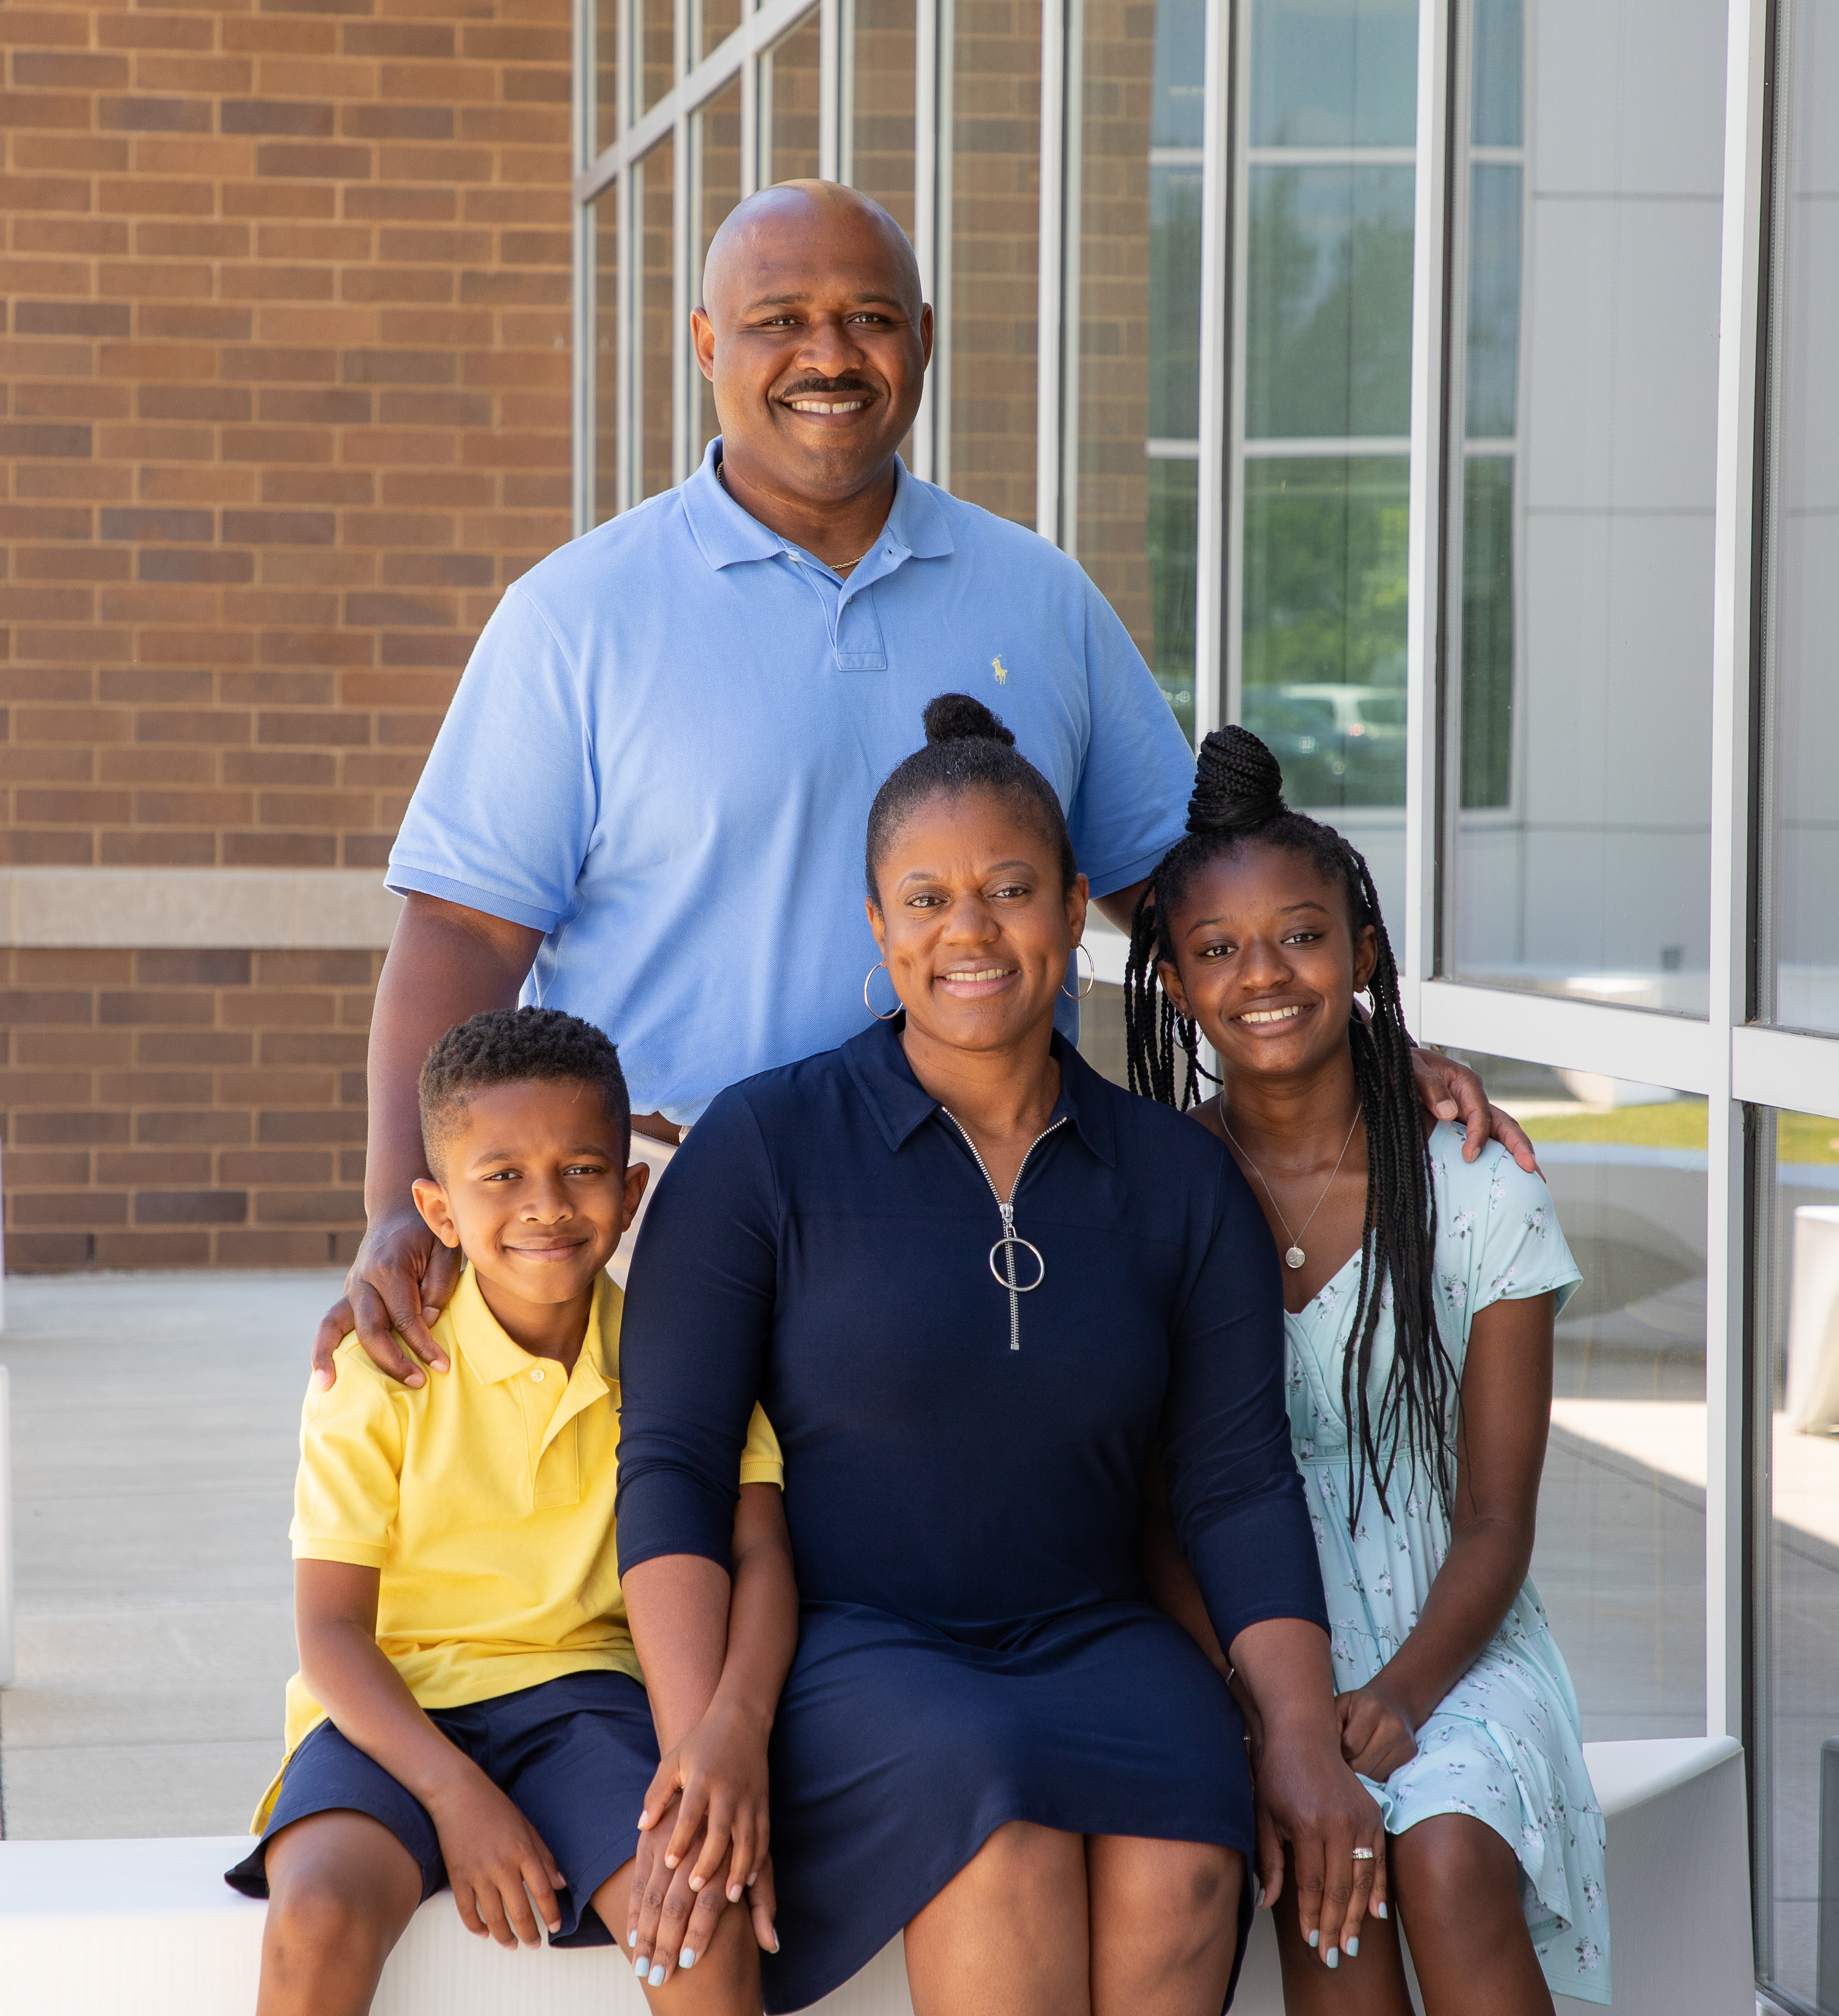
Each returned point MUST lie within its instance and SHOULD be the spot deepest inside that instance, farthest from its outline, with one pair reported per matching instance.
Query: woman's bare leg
(1456, 1884)
(726, 1979)
(1007, 1936)
(341, 1890)
(1165, 1924)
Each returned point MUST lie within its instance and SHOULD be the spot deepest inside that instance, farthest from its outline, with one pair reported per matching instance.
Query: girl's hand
(1310, 1801)
(494, 1855)
(1377, 1736)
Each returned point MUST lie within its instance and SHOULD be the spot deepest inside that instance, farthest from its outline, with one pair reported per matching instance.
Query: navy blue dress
(964, 1469)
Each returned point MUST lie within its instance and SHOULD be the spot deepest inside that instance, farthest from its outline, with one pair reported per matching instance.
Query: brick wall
(286, 403)
(175, 1109)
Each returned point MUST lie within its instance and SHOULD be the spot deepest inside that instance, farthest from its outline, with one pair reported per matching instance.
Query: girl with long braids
(1420, 1293)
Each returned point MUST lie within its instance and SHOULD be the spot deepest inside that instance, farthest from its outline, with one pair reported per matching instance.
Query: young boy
(469, 1708)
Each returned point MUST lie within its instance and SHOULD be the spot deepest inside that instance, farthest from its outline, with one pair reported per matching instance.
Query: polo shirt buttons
(536, 1373)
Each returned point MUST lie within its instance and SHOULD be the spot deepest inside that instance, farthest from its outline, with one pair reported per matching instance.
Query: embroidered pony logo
(1001, 670)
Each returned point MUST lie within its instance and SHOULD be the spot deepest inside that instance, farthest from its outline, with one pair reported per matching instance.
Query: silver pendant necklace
(1294, 1256)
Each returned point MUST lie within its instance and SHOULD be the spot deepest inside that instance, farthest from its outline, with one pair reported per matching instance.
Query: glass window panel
(1495, 116)
(1487, 630)
(1334, 73)
(791, 101)
(995, 249)
(1139, 325)
(657, 50)
(1620, 1560)
(1329, 310)
(1324, 639)
(653, 181)
(1491, 387)
(606, 74)
(1101, 1025)
(1581, 853)
(882, 124)
(715, 135)
(1802, 703)
(1796, 1766)
(606, 442)
(711, 24)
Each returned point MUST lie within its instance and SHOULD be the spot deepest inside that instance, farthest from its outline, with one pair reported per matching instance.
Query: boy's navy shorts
(575, 1755)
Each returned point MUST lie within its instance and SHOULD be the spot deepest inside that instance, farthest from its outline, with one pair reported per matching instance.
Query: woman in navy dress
(986, 1298)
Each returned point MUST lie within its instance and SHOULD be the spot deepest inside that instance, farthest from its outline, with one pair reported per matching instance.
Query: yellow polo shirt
(485, 1497)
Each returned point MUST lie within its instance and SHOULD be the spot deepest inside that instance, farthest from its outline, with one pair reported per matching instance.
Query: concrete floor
(154, 1429)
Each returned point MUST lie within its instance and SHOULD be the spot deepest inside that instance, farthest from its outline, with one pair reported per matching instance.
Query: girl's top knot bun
(1237, 783)
(955, 717)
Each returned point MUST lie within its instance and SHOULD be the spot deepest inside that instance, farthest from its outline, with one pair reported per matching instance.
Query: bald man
(646, 805)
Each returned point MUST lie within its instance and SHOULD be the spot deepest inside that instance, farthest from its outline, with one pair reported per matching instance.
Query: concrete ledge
(256, 909)
(150, 1926)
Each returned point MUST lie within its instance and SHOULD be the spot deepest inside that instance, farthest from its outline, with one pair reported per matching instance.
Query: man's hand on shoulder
(1451, 1091)
(401, 1280)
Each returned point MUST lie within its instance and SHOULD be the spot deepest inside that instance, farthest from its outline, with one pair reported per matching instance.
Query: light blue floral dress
(1505, 1744)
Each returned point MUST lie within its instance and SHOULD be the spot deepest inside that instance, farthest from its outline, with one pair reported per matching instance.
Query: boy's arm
(492, 1853)
(714, 1680)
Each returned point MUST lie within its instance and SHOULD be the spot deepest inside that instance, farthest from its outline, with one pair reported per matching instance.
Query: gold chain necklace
(1294, 1256)
(835, 567)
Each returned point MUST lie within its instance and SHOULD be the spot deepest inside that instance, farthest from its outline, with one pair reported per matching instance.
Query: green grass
(1800, 1137)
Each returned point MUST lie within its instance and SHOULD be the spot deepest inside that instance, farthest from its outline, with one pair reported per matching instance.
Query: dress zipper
(1011, 1238)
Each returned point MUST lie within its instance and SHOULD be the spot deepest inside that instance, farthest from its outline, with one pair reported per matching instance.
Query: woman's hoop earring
(878, 967)
(1091, 979)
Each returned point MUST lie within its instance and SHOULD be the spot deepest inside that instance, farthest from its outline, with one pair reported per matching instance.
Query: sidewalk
(155, 1432)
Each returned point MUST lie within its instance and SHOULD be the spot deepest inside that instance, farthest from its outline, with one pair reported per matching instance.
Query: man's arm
(1450, 1090)
(445, 963)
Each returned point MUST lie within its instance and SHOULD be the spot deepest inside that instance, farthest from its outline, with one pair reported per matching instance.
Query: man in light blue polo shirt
(646, 805)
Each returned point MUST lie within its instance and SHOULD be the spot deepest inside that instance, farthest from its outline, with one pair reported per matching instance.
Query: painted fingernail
(632, 1938)
(1353, 1949)
(644, 1819)
(1257, 1896)
(1379, 1910)
(1315, 1938)
(775, 1942)
(670, 1861)
(640, 1965)
(687, 1958)
(734, 1893)
(696, 1882)
(1332, 1958)
(655, 1977)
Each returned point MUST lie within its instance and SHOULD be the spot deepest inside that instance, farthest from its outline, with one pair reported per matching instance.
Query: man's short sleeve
(349, 1483)
(506, 810)
(760, 1461)
(1131, 805)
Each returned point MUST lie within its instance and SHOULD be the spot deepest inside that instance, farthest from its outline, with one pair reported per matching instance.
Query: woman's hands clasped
(702, 1846)
(1310, 1803)
(1378, 1735)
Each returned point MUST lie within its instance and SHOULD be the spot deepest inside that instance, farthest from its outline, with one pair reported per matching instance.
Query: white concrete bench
(149, 1929)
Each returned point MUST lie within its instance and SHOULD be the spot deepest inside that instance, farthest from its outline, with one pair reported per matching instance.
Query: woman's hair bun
(957, 717)
(1237, 783)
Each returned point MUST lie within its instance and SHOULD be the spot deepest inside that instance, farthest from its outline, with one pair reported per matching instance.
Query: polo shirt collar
(728, 535)
(492, 1355)
(879, 1067)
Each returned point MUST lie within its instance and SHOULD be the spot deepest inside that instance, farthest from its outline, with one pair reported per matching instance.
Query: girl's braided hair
(1237, 802)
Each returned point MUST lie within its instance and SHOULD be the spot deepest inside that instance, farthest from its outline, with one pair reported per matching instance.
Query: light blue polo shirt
(664, 749)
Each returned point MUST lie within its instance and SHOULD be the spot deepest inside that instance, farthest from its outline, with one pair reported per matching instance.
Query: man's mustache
(825, 388)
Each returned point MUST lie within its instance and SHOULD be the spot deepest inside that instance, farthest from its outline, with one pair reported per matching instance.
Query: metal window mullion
(1050, 249)
(1215, 515)
(750, 127)
(829, 88)
(1741, 324)
(1072, 236)
(945, 90)
(1431, 280)
(925, 215)
(845, 93)
(683, 185)
(628, 448)
(1236, 26)
(583, 335)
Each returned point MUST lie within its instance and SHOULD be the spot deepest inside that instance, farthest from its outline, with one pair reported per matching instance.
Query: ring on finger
(1363, 1854)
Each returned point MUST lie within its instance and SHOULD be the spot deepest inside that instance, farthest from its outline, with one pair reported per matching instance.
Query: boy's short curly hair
(509, 1046)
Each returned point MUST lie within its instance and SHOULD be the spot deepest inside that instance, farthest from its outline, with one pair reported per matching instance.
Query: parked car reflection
(1340, 744)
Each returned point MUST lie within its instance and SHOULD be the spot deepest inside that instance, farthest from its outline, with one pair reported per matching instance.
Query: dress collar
(728, 535)
(877, 1064)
